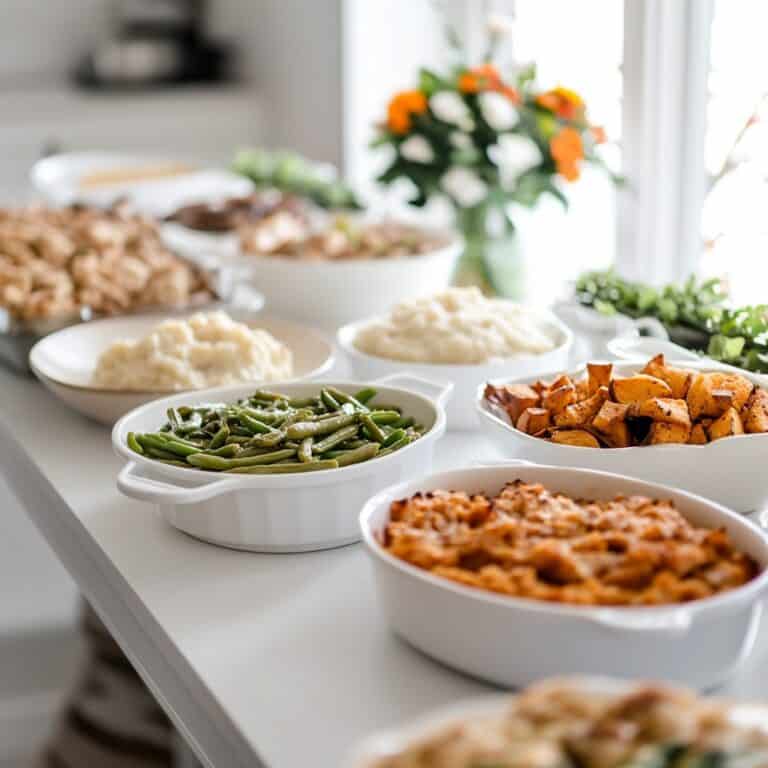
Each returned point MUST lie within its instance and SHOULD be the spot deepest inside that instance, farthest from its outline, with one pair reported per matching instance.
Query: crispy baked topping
(530, 542)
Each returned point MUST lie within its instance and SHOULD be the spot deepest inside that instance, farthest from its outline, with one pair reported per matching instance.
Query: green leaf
(726, 348)
(429, 82)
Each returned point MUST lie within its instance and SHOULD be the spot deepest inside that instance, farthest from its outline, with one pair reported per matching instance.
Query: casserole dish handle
(440, 391)
(136, 486)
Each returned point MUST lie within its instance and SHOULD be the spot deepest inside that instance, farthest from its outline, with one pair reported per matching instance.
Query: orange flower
(565, 103)
(486, 78)
(598, 134)
(567, 151)
(401, 107)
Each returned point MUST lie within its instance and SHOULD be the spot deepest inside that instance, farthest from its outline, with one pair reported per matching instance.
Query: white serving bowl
(378, 746)
(277, 513)
(465, 378)
(326, 294)
(64, 361)
(514, 641)
(730, 471)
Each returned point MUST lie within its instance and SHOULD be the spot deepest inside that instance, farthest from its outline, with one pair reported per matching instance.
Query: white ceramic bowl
(730, 471)
(278, 513)
(512, 641)
(64, 361)
(326, 294)
(378, 746)
(465, 378)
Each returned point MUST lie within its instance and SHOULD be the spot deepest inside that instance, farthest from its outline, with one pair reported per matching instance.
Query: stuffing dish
(457, 326)
(56, 264)
(661, 404)
(205, 350)
(534, 543)
(288, 234)
(563, 724)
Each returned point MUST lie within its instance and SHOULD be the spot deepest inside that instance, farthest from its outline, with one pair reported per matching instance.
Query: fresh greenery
(695, 315)
(290, 172)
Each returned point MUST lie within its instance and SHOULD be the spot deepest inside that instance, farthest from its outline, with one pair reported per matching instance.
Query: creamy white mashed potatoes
(205, 350)
(457, 326)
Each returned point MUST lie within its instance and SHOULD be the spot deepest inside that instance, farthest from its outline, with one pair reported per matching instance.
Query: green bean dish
(270, 433)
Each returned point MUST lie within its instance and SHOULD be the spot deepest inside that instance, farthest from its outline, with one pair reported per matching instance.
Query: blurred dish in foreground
(205, 350)
(65, 361)
(581, 723)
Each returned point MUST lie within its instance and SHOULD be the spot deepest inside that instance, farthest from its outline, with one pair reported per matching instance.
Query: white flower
(464, 186)
(461, 140)
(450, 108)
(498, 111)
(514, 155)
(500, 25)
(417, 149)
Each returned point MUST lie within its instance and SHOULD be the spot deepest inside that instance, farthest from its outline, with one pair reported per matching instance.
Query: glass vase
(492, 259)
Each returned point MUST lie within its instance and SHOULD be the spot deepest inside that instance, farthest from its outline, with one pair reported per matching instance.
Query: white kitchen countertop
(280, 660)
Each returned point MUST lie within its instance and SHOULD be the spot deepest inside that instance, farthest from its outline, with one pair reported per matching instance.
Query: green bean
(194, 423)
(343, 397)
(184, 411)
(267, 441)
(385, 417)
(268, 417)
(133, 443)
(263, 394)
(401, 443)
(365, 395)
(253, 451)
(403, 422)
(393, 437)
(166, 436)
(303, 414)
(313, 428)
(174, 418)
(335, 438)
(285, 469)
(204, 461)
(174, 463)
(305, 449)
(229, 451)
(238, 439)
(358, 455)
(372, 428)
(329, 400)
(174, 446)
(158, 453)
(254, 425)
(220, 438)
(147, 441)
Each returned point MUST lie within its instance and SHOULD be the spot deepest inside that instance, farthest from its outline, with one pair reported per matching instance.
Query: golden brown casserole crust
(530, 542)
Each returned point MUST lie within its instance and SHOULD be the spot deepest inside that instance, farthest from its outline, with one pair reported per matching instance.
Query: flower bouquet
(486, 142)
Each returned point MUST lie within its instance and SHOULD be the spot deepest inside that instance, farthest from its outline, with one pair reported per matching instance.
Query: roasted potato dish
(660, 404)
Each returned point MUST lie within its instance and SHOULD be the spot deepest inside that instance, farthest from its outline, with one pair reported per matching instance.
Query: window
(734, 221)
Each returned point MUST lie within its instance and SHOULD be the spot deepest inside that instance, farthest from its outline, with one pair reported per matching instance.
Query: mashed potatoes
(457, 326)
(205, 350)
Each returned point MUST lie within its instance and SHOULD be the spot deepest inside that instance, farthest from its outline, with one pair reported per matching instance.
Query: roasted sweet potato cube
(611, 422)
(641, 386)
(662, 432)
(665, 409)
(518, 397)
(698, 435)
(563, 380)
(580, 414)
(708, 393)
(726, 425)
(755, 413)
(598, 375)
(533, 420)
(582, 390)
(678, 379)
(577, 437)
(618, 435)
(559, 398)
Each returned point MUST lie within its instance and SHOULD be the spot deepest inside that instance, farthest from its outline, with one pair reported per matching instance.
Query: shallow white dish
(513, 641)
(731, 471)
(326, 294)
(465, 378)
(379, 746)
(64, 361)
(277, 513)
(57, 179)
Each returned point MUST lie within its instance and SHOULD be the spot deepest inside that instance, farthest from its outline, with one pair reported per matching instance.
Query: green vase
(491, 259)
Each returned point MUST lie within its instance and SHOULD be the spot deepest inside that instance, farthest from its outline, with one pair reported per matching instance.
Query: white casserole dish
(731, 471)
(378, 746)
(324, 293)
(513, 641)
(465, 378)
(278, 513)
